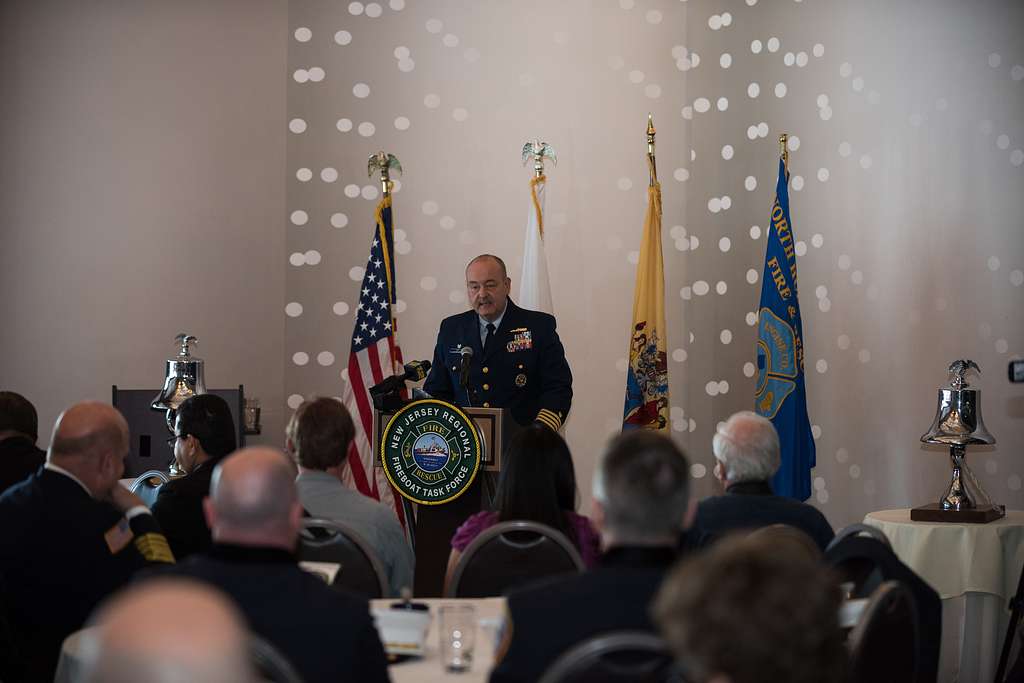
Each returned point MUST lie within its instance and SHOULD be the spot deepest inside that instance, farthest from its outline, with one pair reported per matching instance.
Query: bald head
(253, 499)
(90, 440)
(747, 448)
(166, 631)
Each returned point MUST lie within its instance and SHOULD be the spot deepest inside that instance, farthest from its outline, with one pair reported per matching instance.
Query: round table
(975, 569)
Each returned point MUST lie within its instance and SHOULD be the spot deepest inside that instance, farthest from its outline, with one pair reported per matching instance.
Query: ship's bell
(958, 419)
(183, 379)
(958, 424)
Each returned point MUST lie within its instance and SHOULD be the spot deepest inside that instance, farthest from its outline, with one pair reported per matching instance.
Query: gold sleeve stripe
(551, 415)
(153, 547)
(548, 421)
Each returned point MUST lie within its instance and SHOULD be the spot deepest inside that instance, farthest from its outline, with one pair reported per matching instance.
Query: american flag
(374, 356)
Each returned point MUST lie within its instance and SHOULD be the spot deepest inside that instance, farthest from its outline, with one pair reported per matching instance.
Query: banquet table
(975, 569)
(428, 669)
(425, 669)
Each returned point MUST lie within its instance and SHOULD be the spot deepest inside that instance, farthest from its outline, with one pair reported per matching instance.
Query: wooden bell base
(933, 512)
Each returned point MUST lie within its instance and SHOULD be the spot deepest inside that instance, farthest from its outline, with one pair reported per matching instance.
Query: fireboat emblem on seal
(430, 451)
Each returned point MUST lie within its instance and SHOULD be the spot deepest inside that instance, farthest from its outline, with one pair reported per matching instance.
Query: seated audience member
(204, 433)
(70, 535)
(19, 426)
(747, 450)
(537, 484)
(166, 631)
(641, 503)
(255, 516)
(318, 437)
(743, 612)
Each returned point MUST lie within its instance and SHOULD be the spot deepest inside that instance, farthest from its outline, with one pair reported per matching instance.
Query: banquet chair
(510, 554)
(269, 665)
(324, 540)
(620, 656)
(857, 530)
(883, 645)
(147, 485)
(864, 563)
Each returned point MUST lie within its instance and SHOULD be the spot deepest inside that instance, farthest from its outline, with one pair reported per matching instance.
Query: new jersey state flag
(781, 396)
(646, 405)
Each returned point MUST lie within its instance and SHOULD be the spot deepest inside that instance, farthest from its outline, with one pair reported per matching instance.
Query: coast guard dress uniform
(523, 367)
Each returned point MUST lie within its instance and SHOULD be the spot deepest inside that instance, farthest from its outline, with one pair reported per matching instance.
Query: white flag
(535, 287)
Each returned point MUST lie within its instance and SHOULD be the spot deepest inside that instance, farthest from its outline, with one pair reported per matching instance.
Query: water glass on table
(457, 629)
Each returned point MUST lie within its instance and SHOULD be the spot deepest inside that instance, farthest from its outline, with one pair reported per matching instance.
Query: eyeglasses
(174, 439)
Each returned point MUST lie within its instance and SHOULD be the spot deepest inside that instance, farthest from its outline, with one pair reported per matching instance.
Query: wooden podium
(436, 524)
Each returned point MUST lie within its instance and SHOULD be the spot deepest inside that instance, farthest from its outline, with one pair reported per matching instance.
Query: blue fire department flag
(781, 396)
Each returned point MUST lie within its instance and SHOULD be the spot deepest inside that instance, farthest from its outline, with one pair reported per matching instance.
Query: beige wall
(148, 175)
(141, 195)
(904, 198)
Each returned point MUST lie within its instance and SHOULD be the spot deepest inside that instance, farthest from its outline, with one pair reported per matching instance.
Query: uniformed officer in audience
(509, 357)
(70, 535)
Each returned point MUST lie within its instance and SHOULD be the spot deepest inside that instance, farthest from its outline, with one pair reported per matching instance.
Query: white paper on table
(402, 632)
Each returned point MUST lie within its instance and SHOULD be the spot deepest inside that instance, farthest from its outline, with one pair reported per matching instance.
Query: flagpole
(652, 167)
(784, 149)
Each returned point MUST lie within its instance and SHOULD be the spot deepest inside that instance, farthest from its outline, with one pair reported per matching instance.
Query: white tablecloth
(975, 569)
(427, 669)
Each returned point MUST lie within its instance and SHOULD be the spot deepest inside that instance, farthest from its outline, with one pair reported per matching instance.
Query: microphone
(414, 372)
(467, 356)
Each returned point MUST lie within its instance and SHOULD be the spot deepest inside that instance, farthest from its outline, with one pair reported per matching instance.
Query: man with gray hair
(746, 449)
(254, 514)
(641, 504)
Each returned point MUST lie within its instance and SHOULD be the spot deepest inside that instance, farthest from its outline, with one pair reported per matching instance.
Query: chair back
(616, 657)
(362, 572)
(147, 485)
(883, 644)
(858, 529)
(269, 665)
(510, 554)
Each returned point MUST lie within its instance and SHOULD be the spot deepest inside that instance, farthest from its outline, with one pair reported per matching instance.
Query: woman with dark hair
(537, 484)
(204, 432)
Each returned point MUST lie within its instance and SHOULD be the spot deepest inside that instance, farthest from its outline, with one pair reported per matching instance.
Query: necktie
(490, 334)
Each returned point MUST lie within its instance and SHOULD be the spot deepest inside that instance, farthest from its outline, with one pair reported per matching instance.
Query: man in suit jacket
(254, 513)
(70, 535)
(747, 450)
(19, 427)
(204, 432)
(641, 503)
(515, 360)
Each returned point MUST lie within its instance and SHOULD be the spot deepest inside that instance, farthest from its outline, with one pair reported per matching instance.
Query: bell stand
(956, 506)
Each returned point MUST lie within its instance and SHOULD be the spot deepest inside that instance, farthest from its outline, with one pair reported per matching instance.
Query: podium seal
(430, 451)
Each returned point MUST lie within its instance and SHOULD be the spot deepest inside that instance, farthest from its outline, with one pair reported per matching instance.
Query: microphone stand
(471, 394)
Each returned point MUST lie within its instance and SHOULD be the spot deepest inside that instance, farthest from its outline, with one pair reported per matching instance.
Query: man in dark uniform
(70, 535)
(255, 516)
(512, 356)
(641, 503)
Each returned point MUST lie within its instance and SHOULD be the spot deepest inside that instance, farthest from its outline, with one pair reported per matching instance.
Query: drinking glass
(457, 627)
